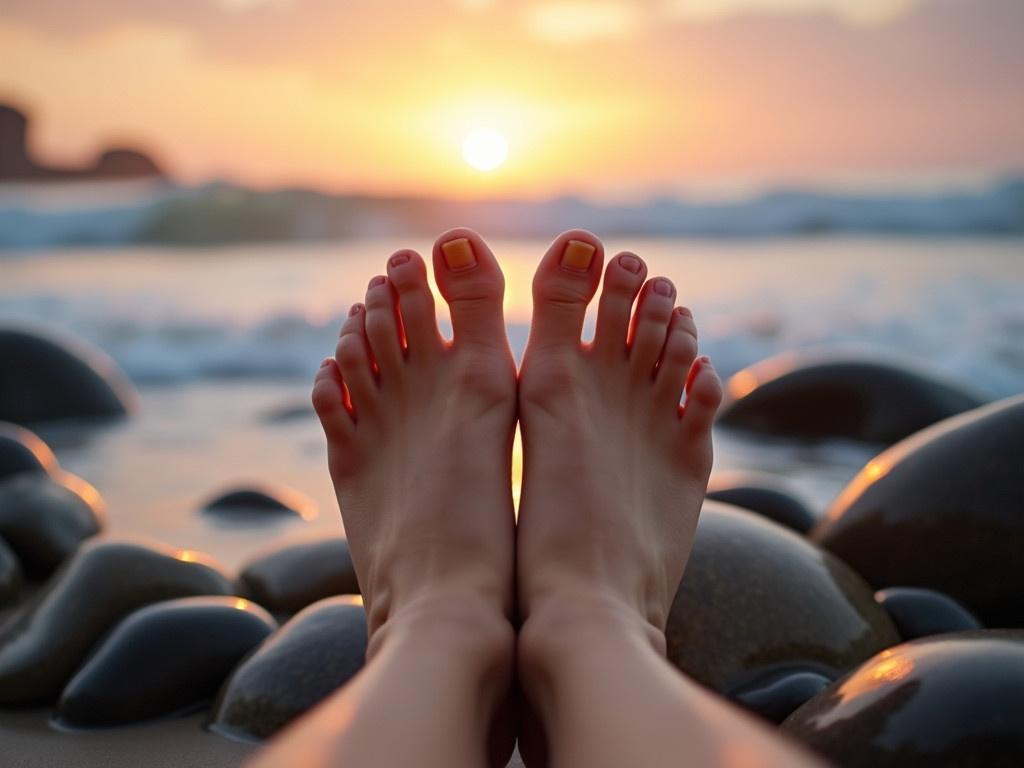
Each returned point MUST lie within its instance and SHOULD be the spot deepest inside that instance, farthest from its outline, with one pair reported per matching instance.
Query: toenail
(378, 280)
(578, 255)
(355, 309)
(663, 287)
(684, 312)
(629, 263)
(326, 362)
(458, 254)
(399, 259)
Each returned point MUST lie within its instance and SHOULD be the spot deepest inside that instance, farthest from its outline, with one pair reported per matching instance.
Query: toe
(563, 286)
(650, 325)
(677, 356)
(470, 280)
(353, 359)
(331, 403)
(703, 396)
(408, 275)
(622, 282)
(383, 329)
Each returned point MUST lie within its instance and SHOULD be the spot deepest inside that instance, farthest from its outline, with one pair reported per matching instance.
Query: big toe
(563, 286)
(470, 280)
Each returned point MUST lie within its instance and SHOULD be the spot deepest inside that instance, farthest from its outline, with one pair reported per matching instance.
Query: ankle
(574, 623)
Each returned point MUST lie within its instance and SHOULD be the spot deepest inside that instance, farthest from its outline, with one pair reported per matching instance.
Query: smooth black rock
(920, 612)
(11, 576)
(45, 519)
(43, 379)
(951, 700)
(758, 599)
(815, 397)
(22, 451)
(42, 646)
(942, 510)
(162, 659)
(778, 695)
(315, 653)
(765, 495)
(290, 578)
(261, 500)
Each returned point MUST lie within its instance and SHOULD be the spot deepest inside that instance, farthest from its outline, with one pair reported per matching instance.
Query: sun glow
(485, 149)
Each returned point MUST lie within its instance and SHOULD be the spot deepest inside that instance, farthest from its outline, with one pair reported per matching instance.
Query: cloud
(582, 22)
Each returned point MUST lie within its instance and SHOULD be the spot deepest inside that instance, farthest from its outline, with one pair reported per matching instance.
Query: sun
(485, 149)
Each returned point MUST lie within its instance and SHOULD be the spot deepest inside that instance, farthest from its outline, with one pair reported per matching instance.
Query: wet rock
(778, 695)
(952, 700)
(290, 578)
(814, 397)
(22, 451)
(943, 510)
(315, 653)
(106, 580)
(920, 612)
(757, 599)
(765, 495)
(45, 519)
(261, 500)
(162, 659)
(11, 576)
(44, 379)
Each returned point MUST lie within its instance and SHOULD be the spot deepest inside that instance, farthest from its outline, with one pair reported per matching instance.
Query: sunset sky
(597, 97)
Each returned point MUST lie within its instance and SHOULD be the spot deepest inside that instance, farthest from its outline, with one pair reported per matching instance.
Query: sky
(606, 98)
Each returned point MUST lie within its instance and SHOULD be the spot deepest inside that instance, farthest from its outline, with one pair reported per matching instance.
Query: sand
(27, 740)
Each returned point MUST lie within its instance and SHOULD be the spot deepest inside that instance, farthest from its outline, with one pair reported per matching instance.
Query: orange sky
(600, 97)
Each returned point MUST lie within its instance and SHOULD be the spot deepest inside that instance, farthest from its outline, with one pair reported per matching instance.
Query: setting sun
(485, 149)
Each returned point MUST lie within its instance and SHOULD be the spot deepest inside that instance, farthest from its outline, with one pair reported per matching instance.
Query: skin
(419, 434)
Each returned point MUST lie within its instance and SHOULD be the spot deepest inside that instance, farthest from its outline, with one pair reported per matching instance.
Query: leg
(614, 474)
(419, 435)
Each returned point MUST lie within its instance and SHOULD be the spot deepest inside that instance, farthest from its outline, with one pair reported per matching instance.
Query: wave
(215, 214)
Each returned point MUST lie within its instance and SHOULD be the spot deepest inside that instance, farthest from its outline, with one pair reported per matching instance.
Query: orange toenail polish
(578, 255)
(458, 254)
(378, 280)
(399, 259)
(663, 287)
(630, 263)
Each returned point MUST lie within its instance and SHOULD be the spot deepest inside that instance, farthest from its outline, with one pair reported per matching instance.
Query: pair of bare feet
(461, 599)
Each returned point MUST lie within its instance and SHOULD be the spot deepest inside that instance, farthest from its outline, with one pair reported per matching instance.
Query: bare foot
(615, 470)
(419, 435)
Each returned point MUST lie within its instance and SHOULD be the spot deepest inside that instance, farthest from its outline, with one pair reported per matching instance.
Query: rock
(758, 599)
(922, 612)
(162, 659)
(764, 495)
(261, 500)
(775, 697)
(290, 578)
(45, 519)
(11, 576)
(816, 397)
(315, 653)
(943, 510)
(106, 580)
(43, 379)
(22, 451)
(288, 412)
(953, 700)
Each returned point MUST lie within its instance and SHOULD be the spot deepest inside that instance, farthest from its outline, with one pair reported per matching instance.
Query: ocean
(223, 342)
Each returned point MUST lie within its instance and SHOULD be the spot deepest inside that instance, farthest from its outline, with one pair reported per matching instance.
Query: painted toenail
(399, 259)
(458, 254)
(578, 255)
(663, 287)
(630, 263)
(378, 280)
